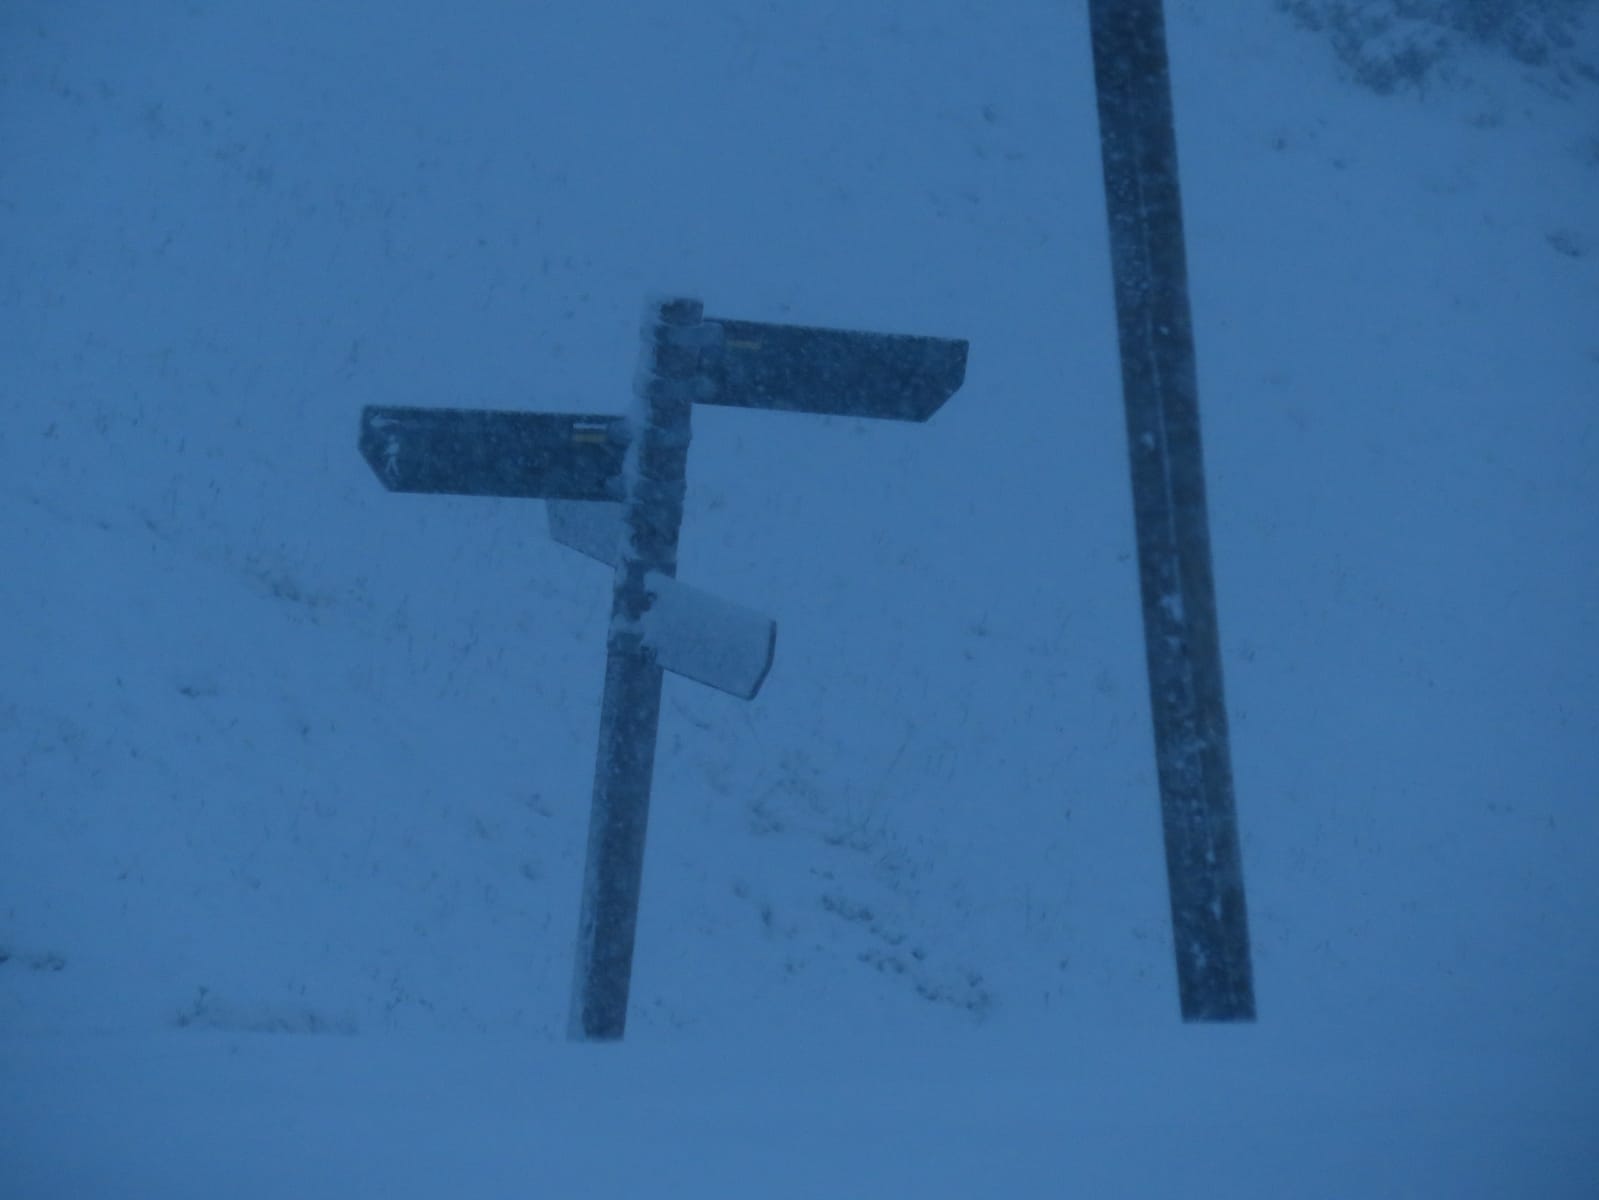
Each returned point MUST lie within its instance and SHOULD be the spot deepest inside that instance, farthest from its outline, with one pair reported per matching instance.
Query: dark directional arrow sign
(835, 372)
(463, 452)
(615, 488)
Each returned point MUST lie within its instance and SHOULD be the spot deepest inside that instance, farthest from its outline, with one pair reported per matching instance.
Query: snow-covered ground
(282, 753)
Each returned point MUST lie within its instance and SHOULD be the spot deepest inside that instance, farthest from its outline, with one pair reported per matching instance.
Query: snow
(496, 1117)
(295, 770)
(499, 1117)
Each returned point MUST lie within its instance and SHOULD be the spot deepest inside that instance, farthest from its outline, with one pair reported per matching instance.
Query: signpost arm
(1139, 149)
(652, 512)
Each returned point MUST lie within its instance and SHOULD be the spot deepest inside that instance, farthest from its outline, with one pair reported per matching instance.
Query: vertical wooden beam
(1138, 143)
(630, 711)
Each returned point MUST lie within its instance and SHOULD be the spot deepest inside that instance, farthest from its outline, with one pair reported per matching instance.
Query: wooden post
(1138, 143)
(652, 509)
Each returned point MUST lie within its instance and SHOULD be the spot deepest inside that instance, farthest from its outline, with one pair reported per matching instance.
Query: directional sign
(692, 633)
(707, 639)
(471, 453)
(835, 372)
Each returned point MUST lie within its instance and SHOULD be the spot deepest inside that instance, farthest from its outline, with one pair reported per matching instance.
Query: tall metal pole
(669, 372)
(1139, 147)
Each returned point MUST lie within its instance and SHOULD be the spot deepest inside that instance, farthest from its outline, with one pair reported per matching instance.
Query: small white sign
(691, 632)
(707, 639)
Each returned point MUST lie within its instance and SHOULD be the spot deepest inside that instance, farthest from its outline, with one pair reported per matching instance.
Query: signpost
(1210, 927)
(615, 487)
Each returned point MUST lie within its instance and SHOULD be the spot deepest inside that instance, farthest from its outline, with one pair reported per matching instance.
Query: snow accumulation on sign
(707, 639)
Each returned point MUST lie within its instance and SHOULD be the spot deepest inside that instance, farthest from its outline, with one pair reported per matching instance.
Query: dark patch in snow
(207, 1011)
(1568, 242)
(34, 962)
